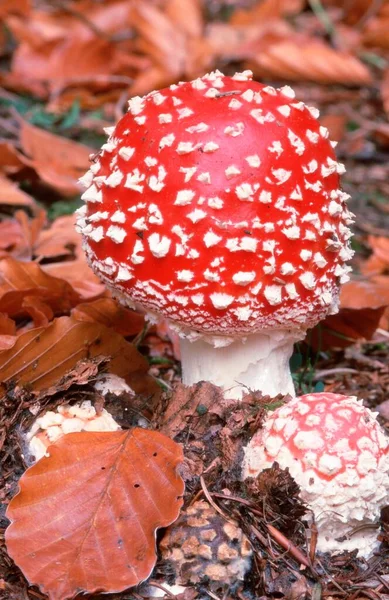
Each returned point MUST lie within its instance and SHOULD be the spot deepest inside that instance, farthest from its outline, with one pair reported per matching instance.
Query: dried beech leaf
(385, 91)
(268, 9)
(378, 262)
(363, 304)
(80, 276)
(111, 314)
(85, 518)
(376, 32)
(40, 357)
(59, 240)
(12, 195)
(301, 58)
(26, 288)
(58, 161)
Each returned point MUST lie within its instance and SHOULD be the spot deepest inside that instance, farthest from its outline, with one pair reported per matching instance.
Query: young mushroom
(215, 203)
(338, 454)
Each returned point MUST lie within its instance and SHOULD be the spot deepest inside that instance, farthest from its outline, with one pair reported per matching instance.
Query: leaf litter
(69, 69)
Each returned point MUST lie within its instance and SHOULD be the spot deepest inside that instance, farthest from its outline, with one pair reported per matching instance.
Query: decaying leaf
(24, 284)
(11, 195)
(308, 59)
(363, 303)
(58, 161)
(40, 357)
(85, 518)
(110, 313)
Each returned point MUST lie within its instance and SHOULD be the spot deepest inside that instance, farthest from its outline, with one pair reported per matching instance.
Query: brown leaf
(8, 7)
(12, 195)
(186, 15)
(40, 357)
(303, 58)
(59, 240)
(7, 325)
(160, 39)
(266, 10)
(85, 518)
(10, 161)
(58, 161)
(378, 262)
(363, 304)
(110, 313)
(376, 32)
(80, 276)
(385, 91)
(25, 289)
(336, 125)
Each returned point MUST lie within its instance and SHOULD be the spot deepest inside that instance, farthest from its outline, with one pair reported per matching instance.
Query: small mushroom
(338, 454)
(216, 204)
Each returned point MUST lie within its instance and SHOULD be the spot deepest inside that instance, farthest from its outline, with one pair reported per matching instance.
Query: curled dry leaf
(376, 32)
(266, 10)
(85, 518)
(301, 58)
(58, 161)
(40, 357)
(111, 314)
(26, 290)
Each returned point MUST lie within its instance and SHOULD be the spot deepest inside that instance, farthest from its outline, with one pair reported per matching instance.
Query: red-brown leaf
(40, 357)
(58, 161)
(110, 313)
(22, 282)
(85, 517)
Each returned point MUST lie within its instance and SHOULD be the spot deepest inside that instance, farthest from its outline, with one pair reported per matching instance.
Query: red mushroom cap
(325, 433)
(338, 454)
(216, 203)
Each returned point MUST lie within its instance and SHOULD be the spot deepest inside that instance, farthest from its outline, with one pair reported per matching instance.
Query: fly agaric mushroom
(338, 454)
(216, 204)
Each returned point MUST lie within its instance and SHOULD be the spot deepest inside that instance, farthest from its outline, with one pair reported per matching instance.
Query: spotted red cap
(338, 454)
(216, 203)
(326, 434)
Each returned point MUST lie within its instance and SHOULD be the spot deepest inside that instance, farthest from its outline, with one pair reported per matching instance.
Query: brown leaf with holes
(58, 161)
(110, 313)
(26, 290)
(40, 357)
(86, 517)
(302, 58)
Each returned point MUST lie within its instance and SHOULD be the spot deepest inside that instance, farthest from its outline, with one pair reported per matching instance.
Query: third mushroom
(216, 204)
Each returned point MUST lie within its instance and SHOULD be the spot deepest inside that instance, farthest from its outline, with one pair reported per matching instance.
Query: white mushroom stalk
(256, 362)
(216, 204)
(338, 454)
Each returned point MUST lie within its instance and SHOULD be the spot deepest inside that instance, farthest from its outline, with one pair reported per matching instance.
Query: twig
(155, 584)
(336, 371)
(212, 503)
(289, 546)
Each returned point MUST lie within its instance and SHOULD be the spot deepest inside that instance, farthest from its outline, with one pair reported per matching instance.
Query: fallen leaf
(336, 125)
(363, 304)
(11, 195)
(308, 59)
(10, 161)
(8, 7)
(26, 290)
(376, 32)
(41, 356)
(385, 91)
(110, 313)
(268, 9)
(378, 262)
(85, 518)
(58, 161)
(59, 240)
(7, 325)
(80, 276)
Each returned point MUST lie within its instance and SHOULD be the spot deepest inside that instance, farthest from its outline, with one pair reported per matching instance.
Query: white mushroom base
(258, 362)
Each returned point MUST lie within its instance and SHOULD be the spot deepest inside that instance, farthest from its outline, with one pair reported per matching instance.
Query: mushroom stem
(257, 362)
